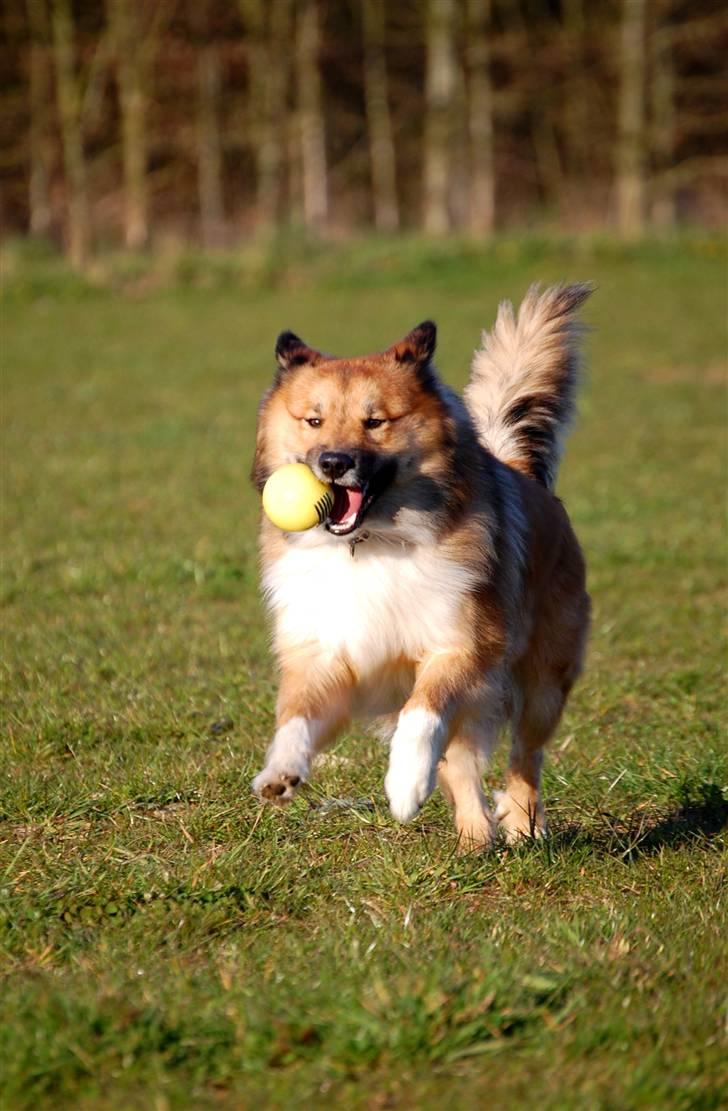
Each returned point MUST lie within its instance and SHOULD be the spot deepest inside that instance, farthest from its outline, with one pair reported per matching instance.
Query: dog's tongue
(347, 503)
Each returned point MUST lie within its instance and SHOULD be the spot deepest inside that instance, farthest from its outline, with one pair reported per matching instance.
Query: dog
(444, 596)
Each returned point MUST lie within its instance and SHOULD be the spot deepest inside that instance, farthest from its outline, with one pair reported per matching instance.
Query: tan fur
(459, 602)
(524, 379)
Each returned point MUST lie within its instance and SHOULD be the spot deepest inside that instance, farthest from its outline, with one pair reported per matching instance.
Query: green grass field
(168, 943)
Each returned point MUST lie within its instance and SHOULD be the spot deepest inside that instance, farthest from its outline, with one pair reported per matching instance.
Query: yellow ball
(295, 500)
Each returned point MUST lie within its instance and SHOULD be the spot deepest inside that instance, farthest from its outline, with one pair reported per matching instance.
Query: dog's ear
(292, 352)
(416, 349)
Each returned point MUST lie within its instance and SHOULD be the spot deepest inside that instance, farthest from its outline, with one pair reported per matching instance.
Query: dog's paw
(519, 822)
(272, 785)
(408, 789)
(413, 760)
(476, 834)
(405, 799)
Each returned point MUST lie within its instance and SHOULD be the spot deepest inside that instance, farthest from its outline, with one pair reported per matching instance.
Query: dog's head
(376, 427)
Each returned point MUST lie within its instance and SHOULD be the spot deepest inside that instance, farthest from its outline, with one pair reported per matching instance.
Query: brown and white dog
(445, 594)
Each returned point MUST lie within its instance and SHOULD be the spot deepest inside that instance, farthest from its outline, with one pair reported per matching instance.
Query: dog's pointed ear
(417, 347)
(292, 352)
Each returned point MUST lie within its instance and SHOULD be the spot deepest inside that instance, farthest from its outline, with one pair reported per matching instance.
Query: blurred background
(136, 123)
(180, 180)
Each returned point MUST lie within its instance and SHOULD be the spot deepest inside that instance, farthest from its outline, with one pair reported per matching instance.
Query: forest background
(148, 122)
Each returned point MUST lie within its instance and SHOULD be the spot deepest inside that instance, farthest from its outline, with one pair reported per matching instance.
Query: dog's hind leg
(460, 777)
(519, 808)
(543, 682)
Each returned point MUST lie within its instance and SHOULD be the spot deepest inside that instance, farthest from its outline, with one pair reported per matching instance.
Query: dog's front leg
(444, 682)
(312, 707)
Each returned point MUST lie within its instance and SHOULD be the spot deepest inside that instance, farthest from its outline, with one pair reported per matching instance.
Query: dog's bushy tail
(524, 377)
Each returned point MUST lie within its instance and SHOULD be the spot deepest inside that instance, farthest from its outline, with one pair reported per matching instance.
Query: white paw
(277, 786)
(406, 794)
(413, 760)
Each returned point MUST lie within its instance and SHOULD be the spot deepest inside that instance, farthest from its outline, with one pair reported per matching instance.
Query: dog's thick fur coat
(446, 594)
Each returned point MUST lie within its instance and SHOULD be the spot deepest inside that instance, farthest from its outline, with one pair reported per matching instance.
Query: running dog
(444, 596)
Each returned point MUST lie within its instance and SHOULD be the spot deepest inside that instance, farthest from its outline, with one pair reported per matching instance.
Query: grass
(167, 943)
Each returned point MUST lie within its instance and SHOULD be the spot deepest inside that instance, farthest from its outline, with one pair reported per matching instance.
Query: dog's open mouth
(350, 505)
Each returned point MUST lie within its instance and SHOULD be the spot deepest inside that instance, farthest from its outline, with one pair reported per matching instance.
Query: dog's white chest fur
(381, 604)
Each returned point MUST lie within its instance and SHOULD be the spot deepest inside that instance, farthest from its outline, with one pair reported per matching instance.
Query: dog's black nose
(334, 464)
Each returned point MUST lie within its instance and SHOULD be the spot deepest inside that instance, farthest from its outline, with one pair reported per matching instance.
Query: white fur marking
(416, 748)
(380, 605)
(290, 754)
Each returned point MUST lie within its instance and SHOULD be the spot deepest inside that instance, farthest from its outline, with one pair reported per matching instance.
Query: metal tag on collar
(357, 540)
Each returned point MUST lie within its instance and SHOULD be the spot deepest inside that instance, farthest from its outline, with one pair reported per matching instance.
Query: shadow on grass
(702, 813)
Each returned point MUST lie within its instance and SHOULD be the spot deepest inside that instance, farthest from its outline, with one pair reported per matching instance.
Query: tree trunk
(379, 120)
(663, 127)
(40, 102)
(480, 120)
(209, 147)
(272, 147)
(575, 115)
(630, 139)
(440, 85)
(311, 118)
(295, 170)
(459, 187)
(268, 26)
(132, 71)
(78, 234)
(548, 158)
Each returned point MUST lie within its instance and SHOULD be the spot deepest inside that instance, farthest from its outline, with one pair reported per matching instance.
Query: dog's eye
(315, 422)
(373, 422)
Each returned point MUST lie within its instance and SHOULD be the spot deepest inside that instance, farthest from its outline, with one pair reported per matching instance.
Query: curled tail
(523, 380)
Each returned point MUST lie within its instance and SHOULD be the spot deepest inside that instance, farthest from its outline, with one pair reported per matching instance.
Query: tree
(440, 87)
(209, 148)
(663, 125)
(209, 141)
(631, 108)
(442, 113)
(268, 27)
(379, 119)
(133, 45)
(41, 144)
(78, 230)
(578, 100)
(311, 117)
(480, 119)
(125, 31)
